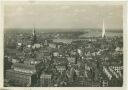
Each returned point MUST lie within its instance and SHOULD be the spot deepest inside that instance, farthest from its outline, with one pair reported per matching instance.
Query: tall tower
(103, 30)
(34, 31)
(34, 39)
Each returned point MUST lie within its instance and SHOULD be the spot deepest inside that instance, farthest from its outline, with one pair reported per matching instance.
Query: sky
(64, 16)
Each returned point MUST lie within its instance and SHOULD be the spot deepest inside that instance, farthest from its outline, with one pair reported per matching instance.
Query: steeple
(34, 36)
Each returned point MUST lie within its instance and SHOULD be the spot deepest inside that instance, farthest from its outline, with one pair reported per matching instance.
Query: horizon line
(119, 29)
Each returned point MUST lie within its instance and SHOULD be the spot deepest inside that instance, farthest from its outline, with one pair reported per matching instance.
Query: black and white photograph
(58, 44)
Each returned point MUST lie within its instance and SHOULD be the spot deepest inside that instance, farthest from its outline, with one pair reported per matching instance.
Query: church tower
(34, 39)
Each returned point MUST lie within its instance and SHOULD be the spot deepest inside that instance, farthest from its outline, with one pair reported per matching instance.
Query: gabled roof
(19, 73)
(24, 66)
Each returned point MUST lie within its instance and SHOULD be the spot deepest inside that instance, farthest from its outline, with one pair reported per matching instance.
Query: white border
(125, 34)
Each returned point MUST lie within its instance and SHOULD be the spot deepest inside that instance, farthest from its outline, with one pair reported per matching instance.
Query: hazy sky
(63, 16)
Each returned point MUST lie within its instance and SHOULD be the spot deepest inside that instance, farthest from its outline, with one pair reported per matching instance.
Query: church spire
(34, 36)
